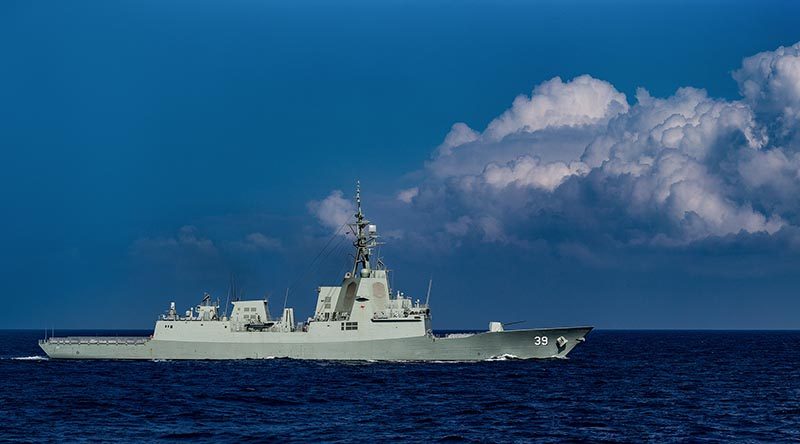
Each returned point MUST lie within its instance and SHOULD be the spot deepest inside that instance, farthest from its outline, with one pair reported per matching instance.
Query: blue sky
(150, 149)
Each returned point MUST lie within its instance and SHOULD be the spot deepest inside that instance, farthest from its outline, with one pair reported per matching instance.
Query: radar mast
(366, 237)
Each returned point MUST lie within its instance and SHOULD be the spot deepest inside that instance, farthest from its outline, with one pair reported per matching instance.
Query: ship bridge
(364, 299)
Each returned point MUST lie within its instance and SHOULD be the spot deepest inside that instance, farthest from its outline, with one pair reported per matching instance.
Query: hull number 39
(540, 340)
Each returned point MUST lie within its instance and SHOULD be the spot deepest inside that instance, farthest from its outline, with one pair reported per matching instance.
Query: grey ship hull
(477, 347)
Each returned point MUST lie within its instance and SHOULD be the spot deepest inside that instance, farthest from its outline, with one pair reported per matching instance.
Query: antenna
(358, 195)
(228, 297)
(286, 299)
(227, 302)
(428, 297)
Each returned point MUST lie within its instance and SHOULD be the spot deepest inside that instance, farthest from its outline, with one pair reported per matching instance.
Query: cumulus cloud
(333, 211)
(531, 172)
(770, 84)
(576, 160)
(553, 124)
(582, 101)
(460, 134)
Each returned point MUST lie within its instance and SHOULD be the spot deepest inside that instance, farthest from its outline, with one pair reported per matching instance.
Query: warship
(360, 319)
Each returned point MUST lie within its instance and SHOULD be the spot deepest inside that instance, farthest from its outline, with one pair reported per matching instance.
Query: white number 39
(540, 340)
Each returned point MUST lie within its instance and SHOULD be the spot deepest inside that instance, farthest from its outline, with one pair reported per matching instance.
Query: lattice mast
(366, 238)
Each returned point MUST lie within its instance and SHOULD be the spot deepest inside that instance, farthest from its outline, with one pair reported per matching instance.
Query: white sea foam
(31, 358)
(503, 357)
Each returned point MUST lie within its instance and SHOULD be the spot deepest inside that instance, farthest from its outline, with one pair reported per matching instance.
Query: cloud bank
(576, 162)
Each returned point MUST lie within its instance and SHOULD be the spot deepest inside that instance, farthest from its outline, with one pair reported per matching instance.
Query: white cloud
(582, 101)
(459, 135)
(333, 211)
(531, 172)
(668, 154)
(773, 167)
(770, 83)
(408, 195)
(576, 157)
(574, 160)
(554, 124)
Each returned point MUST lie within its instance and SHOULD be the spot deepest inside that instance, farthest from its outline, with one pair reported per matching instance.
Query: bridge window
(349, 326)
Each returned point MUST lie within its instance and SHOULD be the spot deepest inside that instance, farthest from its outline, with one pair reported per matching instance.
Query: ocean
(619, 386)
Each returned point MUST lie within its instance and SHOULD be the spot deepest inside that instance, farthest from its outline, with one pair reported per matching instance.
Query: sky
(623, 164)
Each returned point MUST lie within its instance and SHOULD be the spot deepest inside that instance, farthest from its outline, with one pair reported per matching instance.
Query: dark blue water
(618, 386)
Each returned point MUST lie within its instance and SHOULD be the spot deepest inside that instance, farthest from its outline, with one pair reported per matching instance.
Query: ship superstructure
(359, 319)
